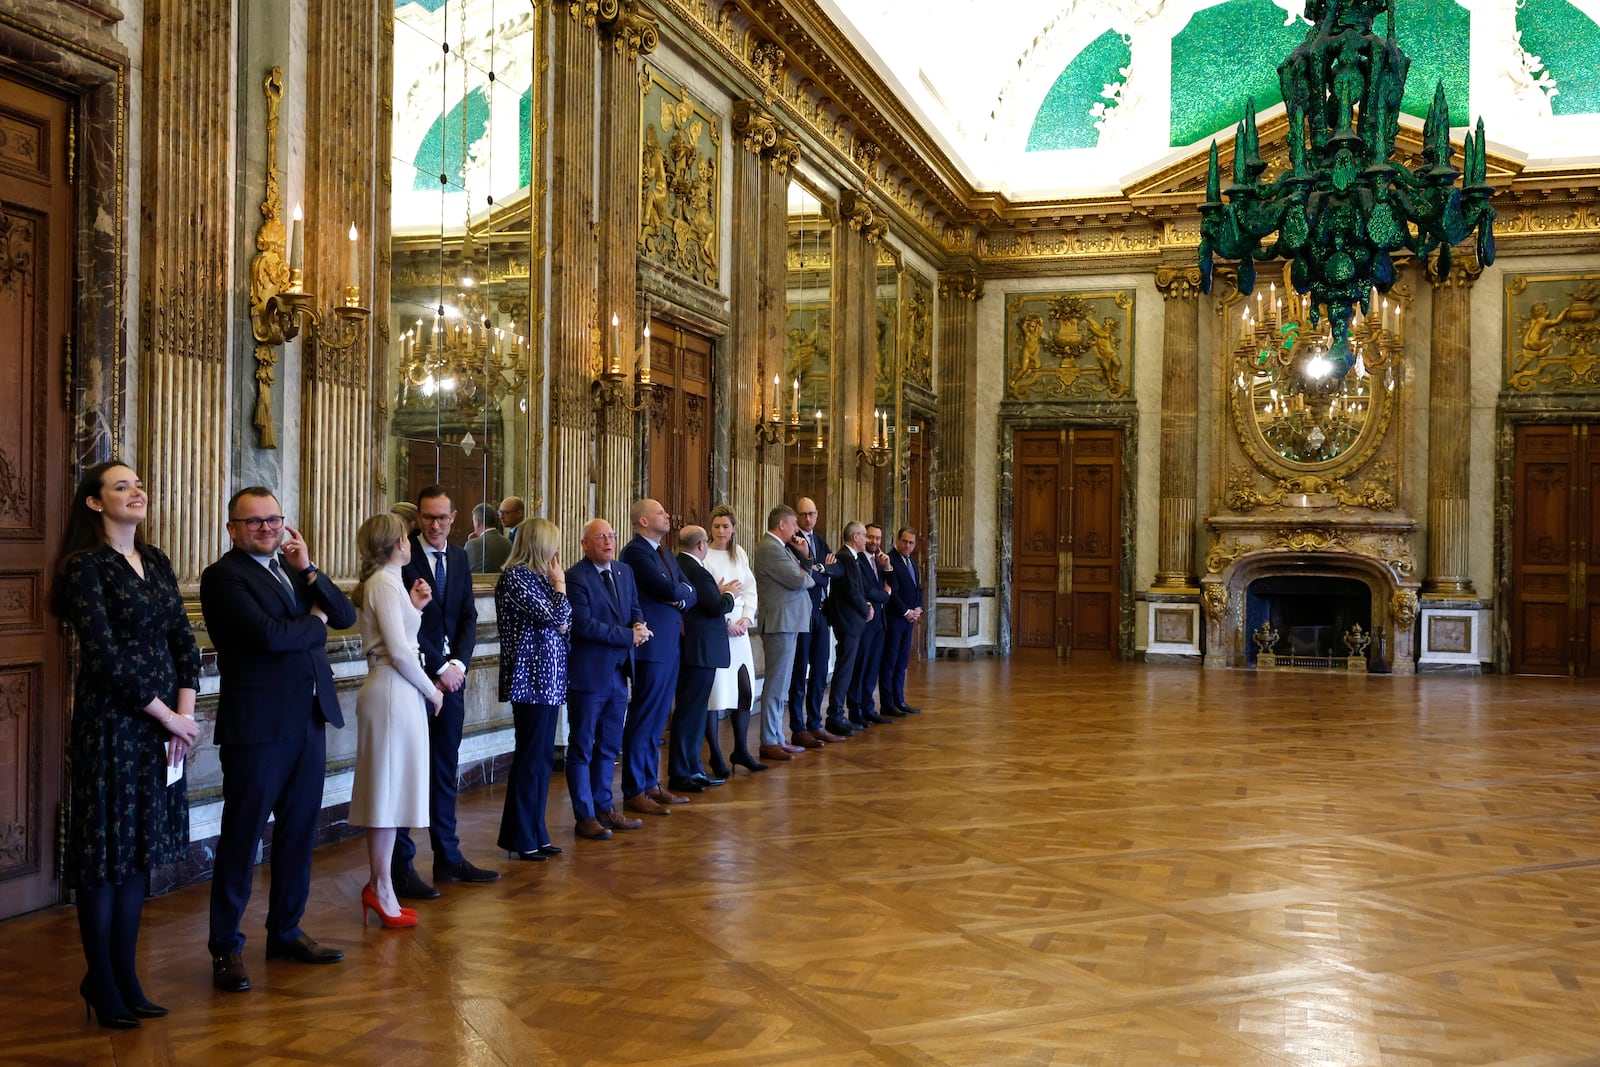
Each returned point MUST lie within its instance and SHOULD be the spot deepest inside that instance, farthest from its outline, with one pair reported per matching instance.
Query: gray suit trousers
(779, 654)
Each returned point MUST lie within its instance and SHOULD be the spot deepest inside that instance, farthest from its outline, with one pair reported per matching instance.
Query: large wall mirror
(462, 386)
(808, 343)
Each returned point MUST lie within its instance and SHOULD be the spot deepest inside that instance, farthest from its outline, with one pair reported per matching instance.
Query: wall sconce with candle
(876, 454)
(279, 303)
(772, 428)
(610, 388)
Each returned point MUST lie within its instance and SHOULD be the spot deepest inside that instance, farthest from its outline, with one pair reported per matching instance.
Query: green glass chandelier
(1343, 209)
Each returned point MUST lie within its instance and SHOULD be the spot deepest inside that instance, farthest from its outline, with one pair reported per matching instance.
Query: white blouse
(724, 565)
(389, 623)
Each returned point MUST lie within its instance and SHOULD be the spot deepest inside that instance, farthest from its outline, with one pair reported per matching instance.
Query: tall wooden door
(35, 288)
(1066, 539)
(680, 423)
(1555, 572)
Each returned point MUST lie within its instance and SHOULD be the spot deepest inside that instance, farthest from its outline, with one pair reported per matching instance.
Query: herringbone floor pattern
(1087, 863)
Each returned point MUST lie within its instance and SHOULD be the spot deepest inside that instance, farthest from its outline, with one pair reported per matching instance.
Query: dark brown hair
(86, 529)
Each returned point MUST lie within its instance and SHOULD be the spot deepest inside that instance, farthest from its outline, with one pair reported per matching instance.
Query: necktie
(611, 588)
(283, 583)
(438, 572)
(666, 558)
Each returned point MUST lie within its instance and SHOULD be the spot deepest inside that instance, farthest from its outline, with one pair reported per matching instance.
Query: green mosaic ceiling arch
(1567, 43)
(1066, 119)
(440, 151)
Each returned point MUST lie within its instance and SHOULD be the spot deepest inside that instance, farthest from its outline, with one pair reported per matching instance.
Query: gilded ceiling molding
(766, 60)
(1178, 283)
(754, 125)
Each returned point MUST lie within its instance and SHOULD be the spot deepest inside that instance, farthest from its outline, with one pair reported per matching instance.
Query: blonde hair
(720, 511)
(537, 539)
(376, 541)
(407, 512)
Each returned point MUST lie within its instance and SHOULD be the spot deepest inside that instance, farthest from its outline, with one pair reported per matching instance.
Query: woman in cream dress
(391, 776)
(733, 685)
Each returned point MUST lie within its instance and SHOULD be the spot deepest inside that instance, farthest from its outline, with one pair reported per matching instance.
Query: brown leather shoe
(228, 973)
(592, 829)
(641, 803)
(776, 752)
(830, 738)
(807, 739)
(618, 821)
(661, 796)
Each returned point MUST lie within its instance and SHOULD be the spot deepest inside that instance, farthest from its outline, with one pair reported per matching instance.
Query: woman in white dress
(391, 776)
(731, 690)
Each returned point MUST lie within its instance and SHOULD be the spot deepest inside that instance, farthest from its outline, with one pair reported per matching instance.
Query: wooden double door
(1555, 569)
(1066, 539)
(36, 241)
(680, 423)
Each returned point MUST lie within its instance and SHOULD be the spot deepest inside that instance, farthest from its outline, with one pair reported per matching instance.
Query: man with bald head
(809, 681)
(607, 626)
(704, 649)
(664, 595)
(512, 512)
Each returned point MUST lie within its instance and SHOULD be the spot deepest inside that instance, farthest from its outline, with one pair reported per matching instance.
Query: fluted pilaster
(855, 350)
(959, 293)
(574, 311)
(747, 354)
(1449, 412)
(1180, 401)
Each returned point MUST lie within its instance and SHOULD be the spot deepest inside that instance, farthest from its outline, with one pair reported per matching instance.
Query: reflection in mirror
(808, 342)
(461, 256)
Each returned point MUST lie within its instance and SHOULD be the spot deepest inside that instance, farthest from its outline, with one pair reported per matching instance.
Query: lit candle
(616, 344)
(775, 398)
(644, 356)
(819, 429)
(794, 412)
(355, 258)
(296, 239)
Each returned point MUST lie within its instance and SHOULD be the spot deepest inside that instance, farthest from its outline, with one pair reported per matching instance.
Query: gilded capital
(858, 214)
(784, 153)
(757, 130)
(960, 285)
(1463, 273)
(632, 29)
(1178, 283)
(584, 11)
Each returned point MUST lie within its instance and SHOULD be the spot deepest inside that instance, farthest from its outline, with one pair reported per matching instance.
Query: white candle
(644, 355)
(296, 239)
(794, 412)
(774, 398)
(355, 257)
(616, 343)
(819, 429)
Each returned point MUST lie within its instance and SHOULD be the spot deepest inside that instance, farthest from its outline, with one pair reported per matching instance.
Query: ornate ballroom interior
(928, 264)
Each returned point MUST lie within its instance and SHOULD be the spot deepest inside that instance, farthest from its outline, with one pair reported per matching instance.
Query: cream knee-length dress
(391, 776)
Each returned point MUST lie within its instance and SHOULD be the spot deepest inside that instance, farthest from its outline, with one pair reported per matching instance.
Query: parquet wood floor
(1088, 863)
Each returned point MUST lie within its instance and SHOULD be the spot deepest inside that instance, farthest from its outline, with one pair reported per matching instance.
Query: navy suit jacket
(820, 572)
(602, 632)
(453, 617)
(705, 626)
(661, 585)
(872, 585)
(846, 607)
(272, 660)
(905, 589)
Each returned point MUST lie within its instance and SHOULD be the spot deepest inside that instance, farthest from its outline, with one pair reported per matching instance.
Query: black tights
(108, 922)
(741, 729)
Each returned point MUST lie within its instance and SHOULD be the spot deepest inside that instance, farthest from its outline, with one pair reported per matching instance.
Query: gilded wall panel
(918, 330)
(680, 183)
(1069, 345)
(1552, 331)
(807, 349)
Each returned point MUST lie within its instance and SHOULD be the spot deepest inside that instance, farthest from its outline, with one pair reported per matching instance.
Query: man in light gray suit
(783, 610)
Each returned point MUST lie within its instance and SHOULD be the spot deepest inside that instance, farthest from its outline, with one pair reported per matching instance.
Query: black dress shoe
(532, 857)
(302, 950)
(409, 884)
(708, 781)
(893, 713)
(685, 785)
(228, 973)
(876, 719)
(840, 727)
(463, 872)
(548, 849)
(909, 710)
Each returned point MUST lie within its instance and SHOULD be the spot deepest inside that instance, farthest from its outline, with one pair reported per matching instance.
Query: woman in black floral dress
(132, 716)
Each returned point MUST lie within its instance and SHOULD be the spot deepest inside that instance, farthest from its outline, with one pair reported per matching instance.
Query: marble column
(574, 327)
(745, 357)
(959, 293)
(184, 274)
(1449, 411)
(1180, 400)
(778, 159)
(627, 32)
(339, 469)
(854, 357)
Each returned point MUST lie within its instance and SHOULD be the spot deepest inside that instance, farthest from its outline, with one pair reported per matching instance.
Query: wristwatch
(310, 572)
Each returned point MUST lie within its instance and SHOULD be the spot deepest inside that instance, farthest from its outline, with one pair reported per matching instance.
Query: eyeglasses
(806, 514)
(435, 519)
(271, 522)
(603, 537)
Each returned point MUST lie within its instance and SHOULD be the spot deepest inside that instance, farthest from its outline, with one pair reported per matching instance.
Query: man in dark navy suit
(704, 649)
(448, 632)
(607, 626)
(905, 608)
(664, 595)
(268, 611)
(809, 682)
(850, 612)
(874, 565)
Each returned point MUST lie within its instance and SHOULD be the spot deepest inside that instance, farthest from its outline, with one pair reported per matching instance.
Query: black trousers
(444, 758)
(522, 827)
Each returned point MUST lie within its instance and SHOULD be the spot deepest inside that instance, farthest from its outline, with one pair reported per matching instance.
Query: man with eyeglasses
(448, 632)
(268, 611)
(512, 512)
(808, 683)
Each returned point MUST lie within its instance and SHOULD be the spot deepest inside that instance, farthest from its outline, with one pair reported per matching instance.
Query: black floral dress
(134, 644)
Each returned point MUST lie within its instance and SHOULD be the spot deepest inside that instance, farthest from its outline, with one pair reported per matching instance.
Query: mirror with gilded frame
(808, 339)
(1294, 413)
(462, 383)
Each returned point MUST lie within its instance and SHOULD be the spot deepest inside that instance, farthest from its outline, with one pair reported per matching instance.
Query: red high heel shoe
(369, 902)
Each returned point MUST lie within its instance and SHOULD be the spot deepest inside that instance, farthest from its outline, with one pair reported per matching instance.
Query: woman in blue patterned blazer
(531, 604)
